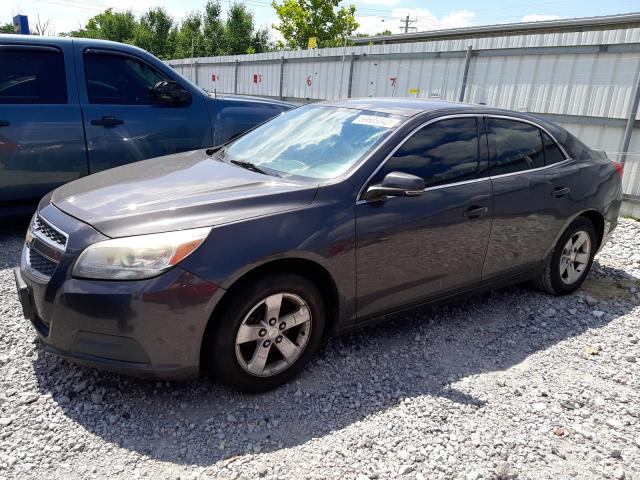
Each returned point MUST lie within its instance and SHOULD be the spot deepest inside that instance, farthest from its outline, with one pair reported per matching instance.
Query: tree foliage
(326, 20)
(6, 28)
(200, 33)
(109, 25)
(366, 35)
(152, 32)
(214, 29)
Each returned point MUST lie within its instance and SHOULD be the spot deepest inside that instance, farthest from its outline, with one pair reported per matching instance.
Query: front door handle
(475, 211)
(107, 121)
(4, 123)
(560, 192)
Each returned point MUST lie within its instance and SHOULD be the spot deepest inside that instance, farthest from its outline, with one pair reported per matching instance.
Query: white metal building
(583, 74)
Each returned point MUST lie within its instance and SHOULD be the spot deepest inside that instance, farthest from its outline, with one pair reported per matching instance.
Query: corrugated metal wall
(584, 80)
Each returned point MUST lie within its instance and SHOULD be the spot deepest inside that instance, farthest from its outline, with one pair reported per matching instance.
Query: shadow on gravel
(14, 225)
(352, 377)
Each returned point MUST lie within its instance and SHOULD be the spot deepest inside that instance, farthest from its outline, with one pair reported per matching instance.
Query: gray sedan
(239, 260)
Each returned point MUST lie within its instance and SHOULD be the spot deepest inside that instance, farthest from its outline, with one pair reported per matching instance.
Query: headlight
(143, 256)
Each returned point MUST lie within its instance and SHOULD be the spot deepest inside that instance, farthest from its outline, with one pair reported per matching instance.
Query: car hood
(175, 192)
(249, 99)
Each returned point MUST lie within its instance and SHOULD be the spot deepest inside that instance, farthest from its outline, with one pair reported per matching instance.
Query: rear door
(410, 249)
(41, 138)
(534, 185)
(122, 123)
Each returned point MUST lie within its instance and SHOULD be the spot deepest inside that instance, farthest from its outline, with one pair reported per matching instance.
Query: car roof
(406, 107)
(60, 41)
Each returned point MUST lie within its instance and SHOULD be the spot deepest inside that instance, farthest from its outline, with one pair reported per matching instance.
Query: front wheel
(267, 332)
(569, 262)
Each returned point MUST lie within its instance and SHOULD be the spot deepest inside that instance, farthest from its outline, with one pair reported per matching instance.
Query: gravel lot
(513, 384)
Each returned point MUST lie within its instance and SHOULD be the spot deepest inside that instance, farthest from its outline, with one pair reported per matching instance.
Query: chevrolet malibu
(238, 261)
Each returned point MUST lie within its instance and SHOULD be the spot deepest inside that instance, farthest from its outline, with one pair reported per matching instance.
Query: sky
(373, 15)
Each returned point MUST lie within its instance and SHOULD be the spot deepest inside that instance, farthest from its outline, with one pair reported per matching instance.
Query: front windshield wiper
(249, 166)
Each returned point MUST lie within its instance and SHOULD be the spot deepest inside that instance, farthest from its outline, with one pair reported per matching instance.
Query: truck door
(41, 139)
(122, 122)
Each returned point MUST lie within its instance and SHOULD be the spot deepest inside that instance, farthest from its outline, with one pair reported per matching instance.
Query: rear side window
(32, 76)
(119, 80)
(517, 146)
(443, 152)
(552, 153)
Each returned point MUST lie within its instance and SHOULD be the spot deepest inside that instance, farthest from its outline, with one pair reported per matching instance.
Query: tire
(554, 278)
(236, 356)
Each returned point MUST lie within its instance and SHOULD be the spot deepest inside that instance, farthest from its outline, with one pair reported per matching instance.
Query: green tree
(238, 31)
(325, 20)
(152, 32)
(201, 33)
(6, 28)
(214, 32)
(188, 40)
(365, 35)
(261, 41)
(109, 25)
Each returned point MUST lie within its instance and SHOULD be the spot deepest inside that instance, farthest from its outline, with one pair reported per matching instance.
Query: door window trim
(523, 120)
(482, 116)
(7, 47)
(117, 53)
(411, 134)
(30, 48)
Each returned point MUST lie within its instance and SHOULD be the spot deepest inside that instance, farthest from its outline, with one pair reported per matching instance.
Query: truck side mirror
(168, 91)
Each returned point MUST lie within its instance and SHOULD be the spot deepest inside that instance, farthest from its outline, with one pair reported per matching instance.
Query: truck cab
(72, 107)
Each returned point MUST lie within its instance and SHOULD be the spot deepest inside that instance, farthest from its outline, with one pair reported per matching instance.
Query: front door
(122, 123)
(410, 249)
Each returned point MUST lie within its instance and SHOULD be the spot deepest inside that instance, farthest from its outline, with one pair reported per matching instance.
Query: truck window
(119, 80)
(32, 76)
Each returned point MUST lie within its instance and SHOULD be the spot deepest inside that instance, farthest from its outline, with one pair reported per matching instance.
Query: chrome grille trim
(43, 236)
(49, 233)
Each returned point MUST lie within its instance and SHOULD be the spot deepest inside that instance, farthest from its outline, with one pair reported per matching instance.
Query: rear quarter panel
(599, 184)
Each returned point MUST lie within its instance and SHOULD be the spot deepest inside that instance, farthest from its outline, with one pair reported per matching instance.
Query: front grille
(41, 264)
(43, 229)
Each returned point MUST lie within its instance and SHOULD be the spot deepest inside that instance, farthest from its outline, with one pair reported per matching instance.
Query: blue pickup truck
(72, 107)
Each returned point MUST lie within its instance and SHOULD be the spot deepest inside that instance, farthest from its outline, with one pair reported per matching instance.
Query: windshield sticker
(383, 122)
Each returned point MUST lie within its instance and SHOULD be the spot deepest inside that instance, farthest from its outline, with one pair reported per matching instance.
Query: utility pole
(194, 81)
(344, 54)
(406, 26)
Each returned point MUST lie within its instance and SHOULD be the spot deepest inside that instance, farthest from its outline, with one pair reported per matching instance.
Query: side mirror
(396, 184)
(168, 91)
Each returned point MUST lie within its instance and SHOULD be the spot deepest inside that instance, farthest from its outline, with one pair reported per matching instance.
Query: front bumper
(151, 328)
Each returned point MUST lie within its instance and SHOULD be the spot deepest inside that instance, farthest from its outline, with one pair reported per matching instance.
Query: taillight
(619, 167)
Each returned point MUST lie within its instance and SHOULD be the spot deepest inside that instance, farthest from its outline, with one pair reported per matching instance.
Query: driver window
(119, 80)
(441, 153)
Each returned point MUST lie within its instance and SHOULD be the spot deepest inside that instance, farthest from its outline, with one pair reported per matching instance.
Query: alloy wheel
(575, 257)
(273, 335)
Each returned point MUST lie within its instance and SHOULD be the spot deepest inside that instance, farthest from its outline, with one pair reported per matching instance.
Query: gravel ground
(512, 384)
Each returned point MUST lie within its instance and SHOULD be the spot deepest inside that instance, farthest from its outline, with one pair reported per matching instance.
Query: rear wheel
(569, 262)
(267, 332)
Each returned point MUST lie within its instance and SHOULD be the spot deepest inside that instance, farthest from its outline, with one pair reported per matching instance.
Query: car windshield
(314, 141)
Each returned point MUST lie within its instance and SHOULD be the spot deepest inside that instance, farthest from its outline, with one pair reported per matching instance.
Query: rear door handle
(475, 211)
(560, 192)
(107, 121)
(4, 123)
